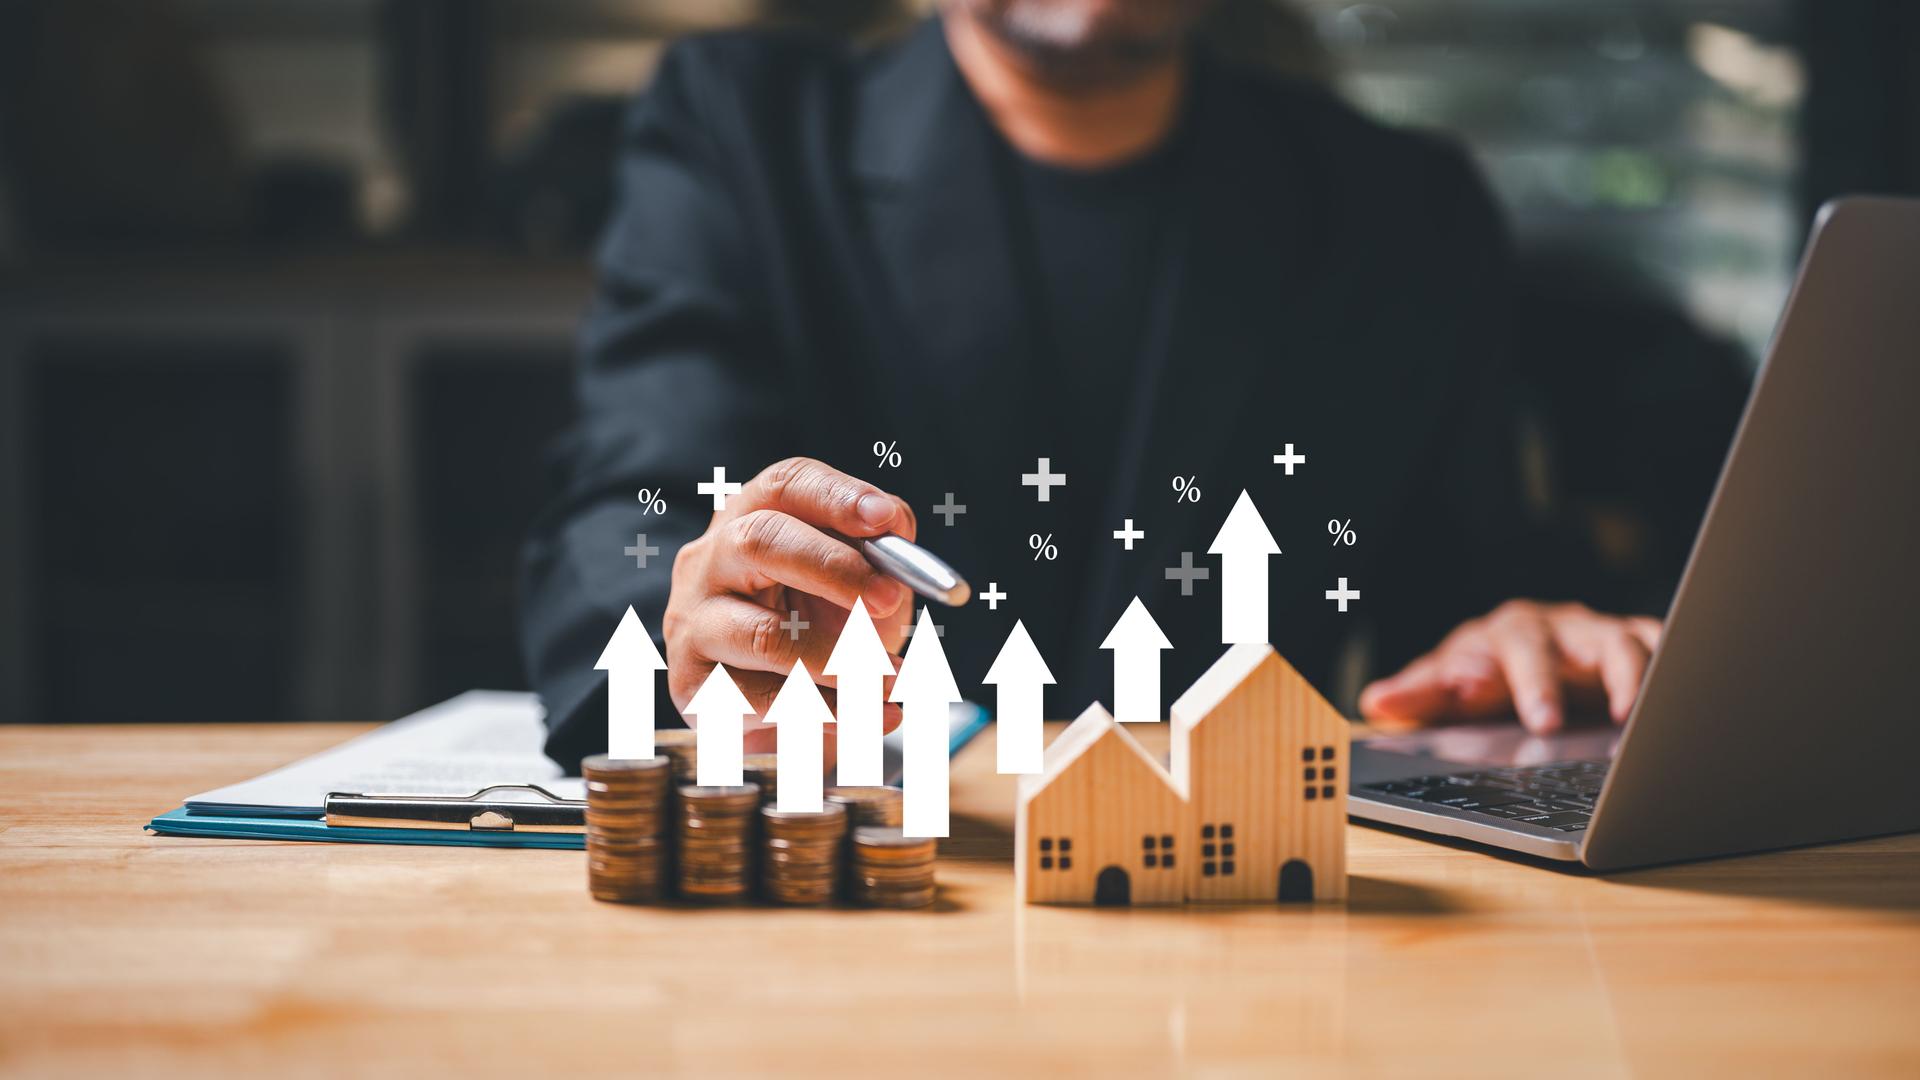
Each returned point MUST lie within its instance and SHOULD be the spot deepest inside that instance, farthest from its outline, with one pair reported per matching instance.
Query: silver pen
(916, 568)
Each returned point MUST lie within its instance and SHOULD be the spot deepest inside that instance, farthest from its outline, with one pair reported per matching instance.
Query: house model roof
(1211, 689)
(1082, 735)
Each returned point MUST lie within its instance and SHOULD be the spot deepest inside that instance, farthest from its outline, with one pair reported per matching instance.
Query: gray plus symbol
(949, 509)
(641, 550)
(1187, 573)
(793, 624)
(938, 630)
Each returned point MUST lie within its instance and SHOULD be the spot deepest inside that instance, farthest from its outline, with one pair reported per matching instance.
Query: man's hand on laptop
(1523, 657)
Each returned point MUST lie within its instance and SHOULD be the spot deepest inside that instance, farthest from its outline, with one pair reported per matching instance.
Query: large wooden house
(1262, 760)
(1252, 809)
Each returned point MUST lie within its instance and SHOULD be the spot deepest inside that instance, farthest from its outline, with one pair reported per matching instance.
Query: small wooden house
(1253, 809)
(1262, 760)
(1102, 823)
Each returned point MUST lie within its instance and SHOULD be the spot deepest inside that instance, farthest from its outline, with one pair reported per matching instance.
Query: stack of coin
(804, 854)
(891, 870)
(763, 769)
(716, 841)
(868, 805)
(627, 806)
(864, 806)
(679, 744)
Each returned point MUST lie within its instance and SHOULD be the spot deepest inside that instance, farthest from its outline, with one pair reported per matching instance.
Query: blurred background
(287, 292)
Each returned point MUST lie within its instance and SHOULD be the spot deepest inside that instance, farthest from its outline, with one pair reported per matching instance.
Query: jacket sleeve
(676, 375)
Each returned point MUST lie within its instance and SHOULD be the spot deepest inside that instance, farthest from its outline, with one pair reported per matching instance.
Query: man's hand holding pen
(780, 546)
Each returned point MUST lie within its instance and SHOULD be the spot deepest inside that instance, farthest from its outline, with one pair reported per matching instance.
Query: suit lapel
(924, 162)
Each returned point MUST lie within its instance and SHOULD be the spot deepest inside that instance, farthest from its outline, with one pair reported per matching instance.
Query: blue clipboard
(225, 827)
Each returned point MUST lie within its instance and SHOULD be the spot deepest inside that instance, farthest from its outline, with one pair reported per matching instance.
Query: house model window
(1056, 851)
(1156, 851)
(1317, 780)
(1216, 849)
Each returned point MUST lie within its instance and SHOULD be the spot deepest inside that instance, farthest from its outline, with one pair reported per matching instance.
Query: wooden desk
(123, 952)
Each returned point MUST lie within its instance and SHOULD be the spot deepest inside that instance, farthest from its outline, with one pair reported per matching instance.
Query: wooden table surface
(125, 953)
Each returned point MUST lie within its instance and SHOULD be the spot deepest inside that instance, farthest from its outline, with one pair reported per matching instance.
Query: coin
(917, 898)
(716, 801)
(616, 773)
(868, 805)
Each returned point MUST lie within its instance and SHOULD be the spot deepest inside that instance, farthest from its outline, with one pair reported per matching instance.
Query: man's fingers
(1524, 655)
(1530, 662)
(1602, 651)
(822, 495)
(764, 548)
(758, 687)
(1623, 666)
(908, 523)
(1417, 695)
(749, 638)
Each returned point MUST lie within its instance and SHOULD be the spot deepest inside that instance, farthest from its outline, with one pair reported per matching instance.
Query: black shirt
(1089, 244)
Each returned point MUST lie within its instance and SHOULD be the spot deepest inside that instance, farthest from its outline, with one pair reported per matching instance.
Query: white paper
(457, 747)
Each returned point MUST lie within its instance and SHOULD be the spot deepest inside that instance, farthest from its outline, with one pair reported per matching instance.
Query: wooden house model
(1253, 807)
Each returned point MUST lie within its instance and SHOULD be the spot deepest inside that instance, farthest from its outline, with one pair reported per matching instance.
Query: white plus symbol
(1128, 534)
(1343, 594)
(720, 488)
(1289, 459)
(993, 596)
(1044, 478)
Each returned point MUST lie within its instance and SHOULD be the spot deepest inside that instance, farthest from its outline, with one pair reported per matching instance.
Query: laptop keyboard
(1559, 795)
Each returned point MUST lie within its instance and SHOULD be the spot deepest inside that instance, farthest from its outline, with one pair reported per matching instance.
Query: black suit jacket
(812, 252)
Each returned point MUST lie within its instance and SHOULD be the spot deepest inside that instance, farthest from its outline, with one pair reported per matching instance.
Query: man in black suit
(1044, 229)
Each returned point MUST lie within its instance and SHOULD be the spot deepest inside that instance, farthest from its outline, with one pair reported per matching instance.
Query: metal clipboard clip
(500, 808)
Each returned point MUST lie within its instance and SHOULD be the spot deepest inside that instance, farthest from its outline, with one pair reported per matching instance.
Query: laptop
(1783, 705)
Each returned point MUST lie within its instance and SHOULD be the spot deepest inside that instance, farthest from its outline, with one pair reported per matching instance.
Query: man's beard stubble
(1062, 45)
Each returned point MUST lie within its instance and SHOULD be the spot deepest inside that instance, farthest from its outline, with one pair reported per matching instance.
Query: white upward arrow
(1243, 545)
(630, 659)
(859, 664)
(719, 707)
(925, 689)
(800, 715)
(1136, 642)
(1021, 675)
